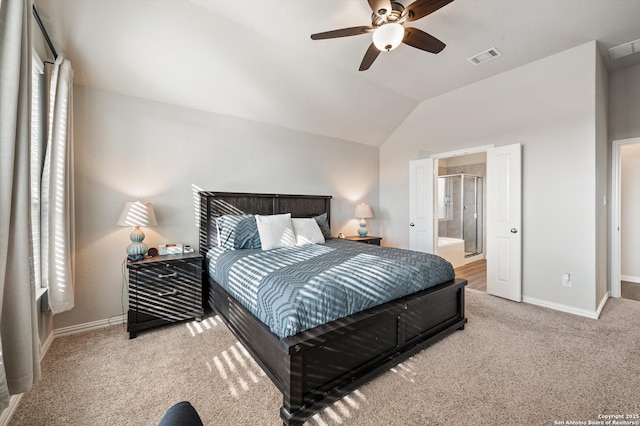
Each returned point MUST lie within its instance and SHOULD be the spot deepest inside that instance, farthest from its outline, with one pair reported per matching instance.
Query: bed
(315, 365)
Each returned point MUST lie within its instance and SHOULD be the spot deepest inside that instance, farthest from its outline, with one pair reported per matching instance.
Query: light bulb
(388, 36)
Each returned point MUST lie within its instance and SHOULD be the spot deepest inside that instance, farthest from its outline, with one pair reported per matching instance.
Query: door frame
(615, 288)
(450, 154)
(488, 149)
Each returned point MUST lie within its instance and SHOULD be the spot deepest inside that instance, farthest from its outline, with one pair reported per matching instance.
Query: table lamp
(363, 211)
(137, 214)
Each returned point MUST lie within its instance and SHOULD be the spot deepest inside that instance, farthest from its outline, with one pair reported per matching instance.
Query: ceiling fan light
(388, 36)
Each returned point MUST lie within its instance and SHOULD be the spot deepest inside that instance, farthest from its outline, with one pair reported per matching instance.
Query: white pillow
(275, 231)
(307, 231)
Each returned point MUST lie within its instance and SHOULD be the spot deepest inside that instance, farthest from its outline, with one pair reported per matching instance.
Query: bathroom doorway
(501, 170)
(502, 212)
(461, 207)
(460, 210)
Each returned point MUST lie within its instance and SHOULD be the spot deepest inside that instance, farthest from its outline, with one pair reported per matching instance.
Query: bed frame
(316, 367)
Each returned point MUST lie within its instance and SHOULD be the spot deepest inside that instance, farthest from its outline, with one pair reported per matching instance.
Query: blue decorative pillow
(238, 232)
(323, 223)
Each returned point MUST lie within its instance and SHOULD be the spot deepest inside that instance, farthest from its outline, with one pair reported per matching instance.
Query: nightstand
(164, 289)
(366, 240)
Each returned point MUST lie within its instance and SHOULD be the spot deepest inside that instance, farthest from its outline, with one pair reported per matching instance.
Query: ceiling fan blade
(421, 40)
(380, 7)
(369, 57)
(344, 32)
(421, 8)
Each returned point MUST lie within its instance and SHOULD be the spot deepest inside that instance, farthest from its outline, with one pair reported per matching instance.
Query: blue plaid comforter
(292, 289)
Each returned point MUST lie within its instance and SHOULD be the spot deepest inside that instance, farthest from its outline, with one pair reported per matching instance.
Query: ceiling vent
(484, 56)
(625, 49)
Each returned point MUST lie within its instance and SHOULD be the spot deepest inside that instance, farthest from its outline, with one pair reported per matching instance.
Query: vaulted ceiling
(255, 59)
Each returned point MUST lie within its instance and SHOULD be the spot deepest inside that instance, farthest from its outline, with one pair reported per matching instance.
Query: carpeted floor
(514, 364)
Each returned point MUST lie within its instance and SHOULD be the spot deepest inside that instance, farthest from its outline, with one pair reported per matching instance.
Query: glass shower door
(472, 214)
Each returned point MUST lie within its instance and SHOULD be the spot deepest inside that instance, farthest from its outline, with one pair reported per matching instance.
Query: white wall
(549, 106)
(624, 103)
(630, 212)
(128, 148)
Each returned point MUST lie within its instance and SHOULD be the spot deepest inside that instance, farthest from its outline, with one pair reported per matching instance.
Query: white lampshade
(363, 211)
(137, 214)
(388, 36)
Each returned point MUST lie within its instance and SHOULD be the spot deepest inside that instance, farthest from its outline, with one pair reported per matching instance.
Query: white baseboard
(46, 345)
(630, 278)
(565, 308)
(601, 305)
(94, 325)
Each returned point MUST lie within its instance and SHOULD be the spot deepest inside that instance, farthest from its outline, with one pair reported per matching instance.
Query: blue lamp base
(137, 247)
(363, 228)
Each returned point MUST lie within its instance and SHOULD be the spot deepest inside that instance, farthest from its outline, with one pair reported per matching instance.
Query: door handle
(412, 224)
(514, 231)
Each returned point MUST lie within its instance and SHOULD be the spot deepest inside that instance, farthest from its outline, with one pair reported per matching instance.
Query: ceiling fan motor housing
(384, 16)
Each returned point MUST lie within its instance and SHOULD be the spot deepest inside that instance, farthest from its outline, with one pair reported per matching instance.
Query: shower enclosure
(460, 212)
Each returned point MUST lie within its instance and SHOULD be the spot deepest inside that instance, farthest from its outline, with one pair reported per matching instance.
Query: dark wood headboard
(216, 204)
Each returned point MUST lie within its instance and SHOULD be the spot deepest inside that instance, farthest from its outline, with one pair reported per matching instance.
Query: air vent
(625, 49)
(484, 56)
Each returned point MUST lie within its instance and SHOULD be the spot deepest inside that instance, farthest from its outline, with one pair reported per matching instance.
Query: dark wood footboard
(314, 368)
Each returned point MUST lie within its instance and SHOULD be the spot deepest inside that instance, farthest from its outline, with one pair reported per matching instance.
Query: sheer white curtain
(19, 341)
(56, 200)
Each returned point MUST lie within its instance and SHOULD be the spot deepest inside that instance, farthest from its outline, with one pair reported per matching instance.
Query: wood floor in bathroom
(475, 273)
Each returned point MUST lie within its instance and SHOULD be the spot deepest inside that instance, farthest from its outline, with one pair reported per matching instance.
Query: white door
(504, 220)
(421, 205)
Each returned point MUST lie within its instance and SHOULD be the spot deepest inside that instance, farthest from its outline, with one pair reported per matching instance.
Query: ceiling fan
(387, 27)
